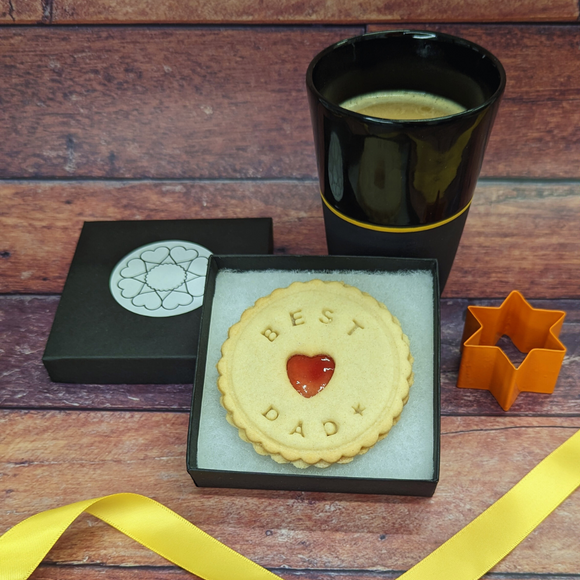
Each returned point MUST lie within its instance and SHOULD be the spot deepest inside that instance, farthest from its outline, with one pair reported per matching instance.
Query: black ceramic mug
(401, 187)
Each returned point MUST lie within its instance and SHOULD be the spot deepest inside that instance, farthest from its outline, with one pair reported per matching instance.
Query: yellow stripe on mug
(393, 229)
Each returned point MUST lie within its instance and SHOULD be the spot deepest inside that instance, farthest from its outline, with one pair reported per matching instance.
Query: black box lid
(129, 311)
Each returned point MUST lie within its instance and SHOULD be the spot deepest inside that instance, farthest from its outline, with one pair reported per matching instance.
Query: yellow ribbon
(466, 556)
(150, 523)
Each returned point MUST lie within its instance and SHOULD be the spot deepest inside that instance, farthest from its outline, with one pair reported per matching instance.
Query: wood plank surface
(25, 11)
(204, 120)
(520, 236)
(50, 458)
(532, 226)
(244, 11)
(158, 102)
(190, 102)
(42, 221)
(24, 384)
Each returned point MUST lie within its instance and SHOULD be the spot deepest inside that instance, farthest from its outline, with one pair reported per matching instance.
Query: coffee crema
(402, 105)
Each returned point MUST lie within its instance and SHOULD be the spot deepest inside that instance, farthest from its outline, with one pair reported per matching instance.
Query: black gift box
(128, 330)
(406, 462)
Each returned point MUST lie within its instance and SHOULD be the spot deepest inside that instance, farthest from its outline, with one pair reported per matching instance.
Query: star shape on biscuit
(532, 330)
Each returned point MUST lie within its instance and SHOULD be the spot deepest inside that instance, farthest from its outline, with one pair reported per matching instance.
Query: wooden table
(151, 111)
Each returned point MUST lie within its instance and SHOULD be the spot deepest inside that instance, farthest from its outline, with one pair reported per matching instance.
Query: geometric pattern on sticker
(161, 279)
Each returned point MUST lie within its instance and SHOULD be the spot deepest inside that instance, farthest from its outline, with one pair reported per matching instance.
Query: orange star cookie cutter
(532, 330)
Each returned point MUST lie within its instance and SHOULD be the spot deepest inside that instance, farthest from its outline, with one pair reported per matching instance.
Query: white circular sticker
(161, 279)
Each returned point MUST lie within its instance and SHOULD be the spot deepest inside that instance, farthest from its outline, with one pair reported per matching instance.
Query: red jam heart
(309, 374)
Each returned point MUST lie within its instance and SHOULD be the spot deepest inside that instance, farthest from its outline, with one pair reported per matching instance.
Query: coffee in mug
(402, 105)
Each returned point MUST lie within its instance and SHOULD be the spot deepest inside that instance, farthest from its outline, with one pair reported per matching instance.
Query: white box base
(408, 451)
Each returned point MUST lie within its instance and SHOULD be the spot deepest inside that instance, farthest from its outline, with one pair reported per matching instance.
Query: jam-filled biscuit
(315, 374)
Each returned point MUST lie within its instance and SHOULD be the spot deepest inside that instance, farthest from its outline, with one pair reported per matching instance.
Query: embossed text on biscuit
(355, 327)
(298, 429)
(326, 317)
(330, 428)
(271, 414)
(270, 334)
(297, 318)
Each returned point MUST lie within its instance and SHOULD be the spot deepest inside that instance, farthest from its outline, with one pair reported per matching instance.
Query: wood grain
(246, 11)
(41, 223)
(519, 236)
(188, 102)
(288, 12)
(25, 323)
(158, 102)
(160, 122)
(25, 11)
(53, 458)
(532, 226)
